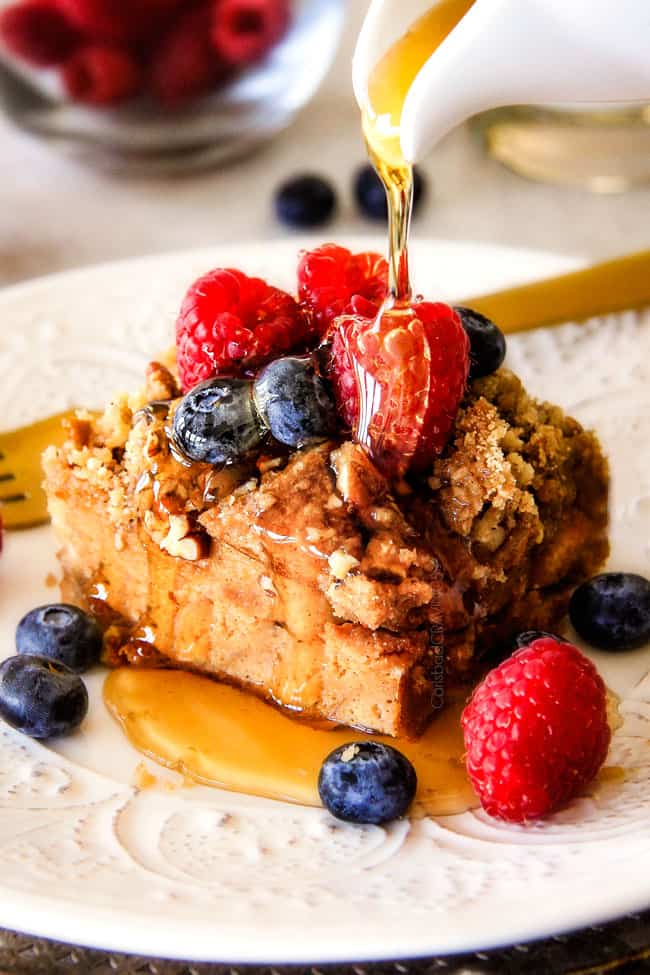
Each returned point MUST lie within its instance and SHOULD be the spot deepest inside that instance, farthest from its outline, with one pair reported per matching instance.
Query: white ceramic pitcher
(508, 52)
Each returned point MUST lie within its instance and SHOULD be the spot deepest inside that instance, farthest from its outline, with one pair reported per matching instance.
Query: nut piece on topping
(341, 563)
(184, 543)
(357, 479)
(160, 384)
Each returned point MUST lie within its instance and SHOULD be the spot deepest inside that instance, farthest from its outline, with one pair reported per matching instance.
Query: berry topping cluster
(397, 377)
(109, 51)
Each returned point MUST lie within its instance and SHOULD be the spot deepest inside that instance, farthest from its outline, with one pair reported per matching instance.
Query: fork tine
(22, 499)
(14, 490)
(12, 498)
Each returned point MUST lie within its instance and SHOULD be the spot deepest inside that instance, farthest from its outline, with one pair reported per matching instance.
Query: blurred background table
(56, 213)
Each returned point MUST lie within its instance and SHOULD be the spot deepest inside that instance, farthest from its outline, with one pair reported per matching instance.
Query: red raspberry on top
(244, 30)
(412, 364)
(100, 74)
(230, 324)
(332, 281)
(37, 32)
(536, 731)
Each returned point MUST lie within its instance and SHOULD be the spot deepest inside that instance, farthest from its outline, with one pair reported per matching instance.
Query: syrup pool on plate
(220, 736)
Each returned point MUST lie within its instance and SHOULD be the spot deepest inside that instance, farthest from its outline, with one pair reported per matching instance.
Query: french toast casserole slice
(305, 576)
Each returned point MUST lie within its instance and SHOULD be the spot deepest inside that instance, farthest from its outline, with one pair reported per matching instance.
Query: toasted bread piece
(306, 577)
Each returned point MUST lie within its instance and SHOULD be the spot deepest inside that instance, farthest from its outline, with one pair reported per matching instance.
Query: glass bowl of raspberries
(163, 85)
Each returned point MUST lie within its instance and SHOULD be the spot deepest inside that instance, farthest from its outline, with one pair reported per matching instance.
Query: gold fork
(613, 286)
(22, 499)
(622, 284)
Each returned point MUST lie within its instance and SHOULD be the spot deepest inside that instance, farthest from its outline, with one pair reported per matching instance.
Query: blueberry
(370, 194)
(216, 422)
(612, 611)
(60, 632)
(294, 402)
(528, 636)
(40, 697)
(367, 782)
(305, 201)
(487, 343)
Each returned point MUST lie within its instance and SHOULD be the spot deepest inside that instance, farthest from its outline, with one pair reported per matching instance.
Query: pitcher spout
(507, 52)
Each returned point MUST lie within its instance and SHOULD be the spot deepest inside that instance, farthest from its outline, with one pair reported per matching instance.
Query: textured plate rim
(90, 932)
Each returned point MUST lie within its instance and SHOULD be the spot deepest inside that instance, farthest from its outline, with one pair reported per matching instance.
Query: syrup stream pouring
(506, 52)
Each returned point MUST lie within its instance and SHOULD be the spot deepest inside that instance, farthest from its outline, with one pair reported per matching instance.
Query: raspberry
(184, 65)
(117, 22)
(536, 731)
(332, 281)
(100, 74)
(244, 30)
(37, 32)
(230, 324)
(412, 365)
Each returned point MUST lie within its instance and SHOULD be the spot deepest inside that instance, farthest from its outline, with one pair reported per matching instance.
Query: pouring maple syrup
(390, 359)
(388, 86)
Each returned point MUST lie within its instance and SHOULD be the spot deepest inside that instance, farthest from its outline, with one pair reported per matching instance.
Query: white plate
(197, 873)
